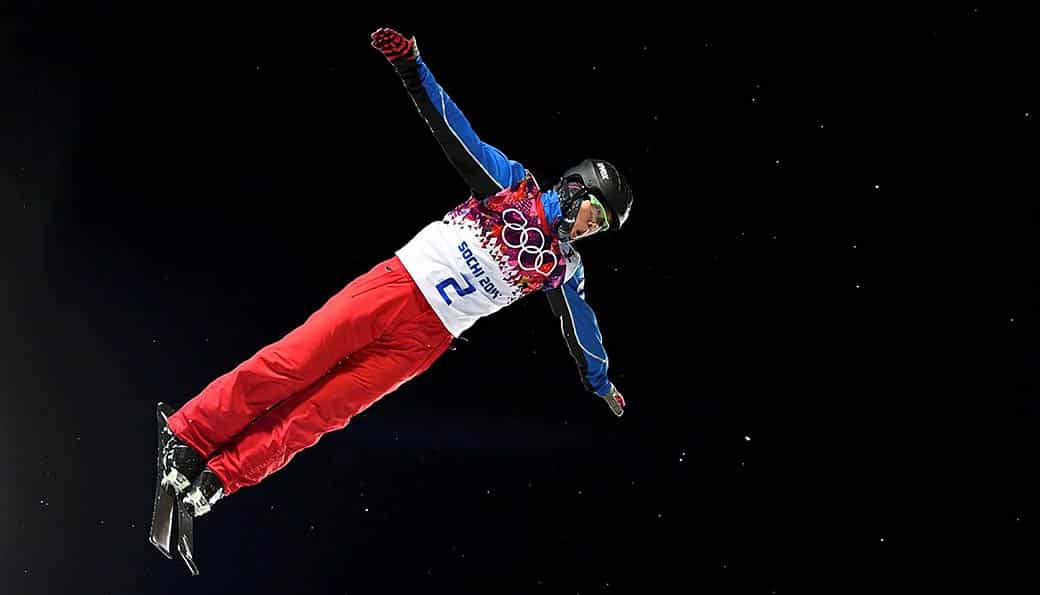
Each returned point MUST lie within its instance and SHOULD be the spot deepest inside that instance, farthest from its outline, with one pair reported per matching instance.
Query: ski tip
(185, 548)
(162, 549)
(163, 410)
(192, 568)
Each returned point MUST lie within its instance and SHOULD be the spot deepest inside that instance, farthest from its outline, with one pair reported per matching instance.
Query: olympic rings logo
(517, 235)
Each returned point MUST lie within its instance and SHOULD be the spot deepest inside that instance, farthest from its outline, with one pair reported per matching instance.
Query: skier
(509, 239)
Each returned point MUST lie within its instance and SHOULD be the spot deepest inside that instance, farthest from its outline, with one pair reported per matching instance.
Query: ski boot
(180, 463)
(203, 493)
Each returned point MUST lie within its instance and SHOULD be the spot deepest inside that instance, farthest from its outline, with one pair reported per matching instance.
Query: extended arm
(483, 167)
(581, 332)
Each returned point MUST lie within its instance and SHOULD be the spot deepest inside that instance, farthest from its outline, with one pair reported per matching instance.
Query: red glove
(393, 45)
(615, 401)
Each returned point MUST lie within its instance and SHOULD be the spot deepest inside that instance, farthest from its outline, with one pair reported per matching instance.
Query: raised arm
(483, 167)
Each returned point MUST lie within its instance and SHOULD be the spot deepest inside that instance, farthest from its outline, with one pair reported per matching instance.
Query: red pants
(375, 334)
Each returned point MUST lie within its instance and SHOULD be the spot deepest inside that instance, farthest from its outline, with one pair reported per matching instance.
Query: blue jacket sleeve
(484, 168)
(581, 331)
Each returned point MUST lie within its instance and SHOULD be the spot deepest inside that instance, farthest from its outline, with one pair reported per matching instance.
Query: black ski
(165, 502)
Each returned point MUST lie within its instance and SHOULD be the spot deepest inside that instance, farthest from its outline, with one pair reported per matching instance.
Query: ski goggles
(602, 219)
(573, 194)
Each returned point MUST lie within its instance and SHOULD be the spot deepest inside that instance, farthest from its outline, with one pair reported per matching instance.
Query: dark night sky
(823, 313)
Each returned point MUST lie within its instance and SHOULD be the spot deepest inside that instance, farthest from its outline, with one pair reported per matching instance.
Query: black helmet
(605, 181)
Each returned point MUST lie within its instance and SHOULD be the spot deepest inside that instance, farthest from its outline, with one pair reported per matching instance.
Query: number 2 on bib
(459, 290)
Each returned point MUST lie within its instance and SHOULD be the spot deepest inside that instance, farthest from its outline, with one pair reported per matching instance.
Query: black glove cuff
(408, 70)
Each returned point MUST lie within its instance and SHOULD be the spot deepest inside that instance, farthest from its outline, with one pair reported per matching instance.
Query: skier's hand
(393, 45)
(615, 401)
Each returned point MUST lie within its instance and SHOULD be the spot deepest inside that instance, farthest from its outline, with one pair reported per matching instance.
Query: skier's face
(592, 218)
